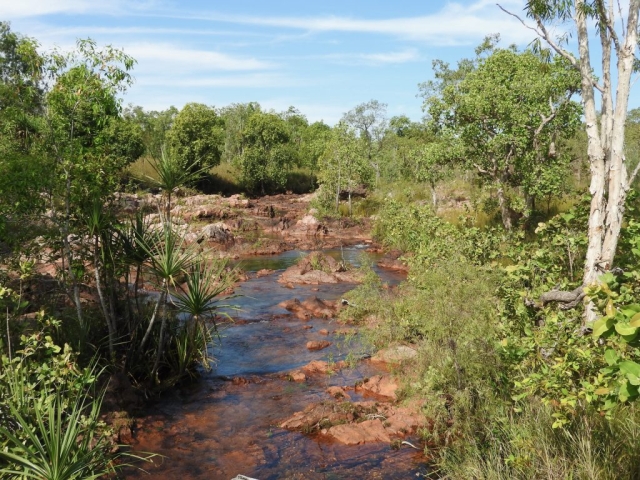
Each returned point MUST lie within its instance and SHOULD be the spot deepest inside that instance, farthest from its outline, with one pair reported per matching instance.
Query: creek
(225, 424)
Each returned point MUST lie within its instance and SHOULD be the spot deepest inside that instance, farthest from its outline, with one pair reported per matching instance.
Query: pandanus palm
(204, 284)
(135, 238)
(171, 174)
(168, 259)
(100, 228)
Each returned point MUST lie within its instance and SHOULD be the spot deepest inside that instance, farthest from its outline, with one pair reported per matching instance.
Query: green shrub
(49, 414)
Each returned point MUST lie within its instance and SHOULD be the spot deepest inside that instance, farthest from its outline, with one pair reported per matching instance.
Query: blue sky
(321, 57)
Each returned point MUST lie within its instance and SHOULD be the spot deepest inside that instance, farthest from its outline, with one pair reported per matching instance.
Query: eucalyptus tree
(605, 72)
(369, 119)
(236, 117)
(154, 126)
(314, 141)
(506, 115)
(344, 165)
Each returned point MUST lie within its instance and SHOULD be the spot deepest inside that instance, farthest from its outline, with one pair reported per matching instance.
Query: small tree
(611, 179)
(196, 137)
(369, 120)
(80, 112)
(343, 165)
(267, 156)
(506, 115)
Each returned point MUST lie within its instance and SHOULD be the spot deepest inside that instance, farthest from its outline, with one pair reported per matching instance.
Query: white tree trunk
(618, 179)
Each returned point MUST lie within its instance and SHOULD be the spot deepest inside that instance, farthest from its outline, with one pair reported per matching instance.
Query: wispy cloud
(403, 56)
(35, 8)
(145, 31)
(160, 55)
(454, 23)
(253, 80)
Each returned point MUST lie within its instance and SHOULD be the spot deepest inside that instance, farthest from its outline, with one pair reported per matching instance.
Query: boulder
(217, 232)
(322, 367)
(310, 308)
(338, 392)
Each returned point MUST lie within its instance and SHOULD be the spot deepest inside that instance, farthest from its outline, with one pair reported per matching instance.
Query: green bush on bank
(514, 388)
(49, 413)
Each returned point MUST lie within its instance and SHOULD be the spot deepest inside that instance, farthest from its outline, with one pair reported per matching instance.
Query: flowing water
(226, 423)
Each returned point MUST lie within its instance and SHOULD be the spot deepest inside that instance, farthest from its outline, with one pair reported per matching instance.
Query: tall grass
(523, 445)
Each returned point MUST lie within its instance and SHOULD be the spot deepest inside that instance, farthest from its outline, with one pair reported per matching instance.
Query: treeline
(264, 147)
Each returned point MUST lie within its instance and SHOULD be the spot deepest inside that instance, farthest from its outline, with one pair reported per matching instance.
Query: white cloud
(254, 80)
(372, 59)
(455, 23)
(391, 57)
(11, 9)
(159, 56)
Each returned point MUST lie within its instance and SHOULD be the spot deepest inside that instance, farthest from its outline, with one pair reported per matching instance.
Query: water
(217, 429)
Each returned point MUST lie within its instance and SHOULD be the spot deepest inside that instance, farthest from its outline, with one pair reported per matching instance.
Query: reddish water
(217, 429)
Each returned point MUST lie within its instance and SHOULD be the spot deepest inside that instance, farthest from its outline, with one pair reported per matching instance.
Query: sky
(323, 58)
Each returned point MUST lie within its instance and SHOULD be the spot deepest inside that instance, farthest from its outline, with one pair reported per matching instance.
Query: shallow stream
(226, 423)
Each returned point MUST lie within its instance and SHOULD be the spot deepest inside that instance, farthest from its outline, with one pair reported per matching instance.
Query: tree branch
(633, 175)
(542, 32)
(567, 299)
(606, 20)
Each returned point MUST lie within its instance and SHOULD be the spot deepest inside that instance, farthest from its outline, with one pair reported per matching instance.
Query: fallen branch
(568, 300)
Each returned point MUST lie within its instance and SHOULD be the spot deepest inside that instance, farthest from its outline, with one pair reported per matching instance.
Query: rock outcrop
(317, 268)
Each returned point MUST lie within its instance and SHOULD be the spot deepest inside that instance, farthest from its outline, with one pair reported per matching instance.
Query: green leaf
(635, 320)
(633, 380)
(634, 307)
(627, 391)
(601, 326)
(631, 367)
(629, 338)
(625, 329)
(611, 357)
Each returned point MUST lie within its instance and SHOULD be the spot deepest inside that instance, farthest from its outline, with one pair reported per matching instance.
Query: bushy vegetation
(515, 387)
(525, 316)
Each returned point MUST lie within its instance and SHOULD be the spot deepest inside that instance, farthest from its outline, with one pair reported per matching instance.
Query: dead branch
(568, 300)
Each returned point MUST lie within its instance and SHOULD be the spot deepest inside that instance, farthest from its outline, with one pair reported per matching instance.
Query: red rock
(338, 392)
(125, 435)
(324, 331)
(369, 431)
(317, 366)
(380, 385)
(297, 376)
(320, 366)
(317, 345)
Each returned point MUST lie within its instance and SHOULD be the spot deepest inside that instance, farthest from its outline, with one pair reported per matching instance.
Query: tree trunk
(434, 197)
(103, 305)
(153, 316)
(618, 178)
(505, 211)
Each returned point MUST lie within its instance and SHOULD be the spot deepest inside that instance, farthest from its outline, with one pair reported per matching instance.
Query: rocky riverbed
(294, 394)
